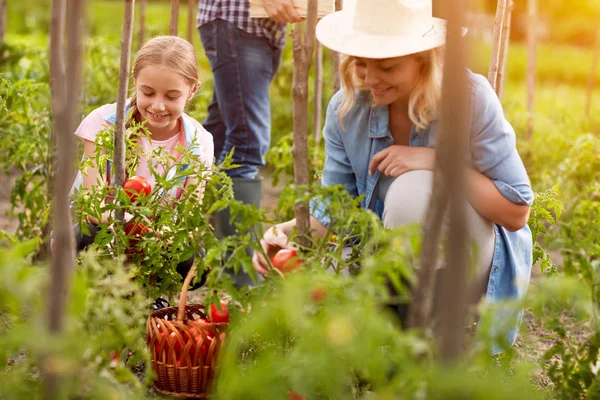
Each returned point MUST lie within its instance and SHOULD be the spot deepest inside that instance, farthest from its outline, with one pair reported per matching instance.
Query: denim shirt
(492, 152)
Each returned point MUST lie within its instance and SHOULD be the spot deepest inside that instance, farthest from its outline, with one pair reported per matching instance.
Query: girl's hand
(273, 241)
(398, 159)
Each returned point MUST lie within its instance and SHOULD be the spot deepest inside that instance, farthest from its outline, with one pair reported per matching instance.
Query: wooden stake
(119, 156)
(142, 23)
(66, 96)
(452, 144)
(504, 49)
(531, 59)
(174, 17)
(592, 76)
(191, 21)
(496, 43)
(303, 53)
(339, 4)
(3, 6)
(451, 147)
(318, 93)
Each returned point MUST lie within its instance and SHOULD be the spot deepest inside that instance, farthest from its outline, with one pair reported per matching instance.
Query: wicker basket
(183, 348)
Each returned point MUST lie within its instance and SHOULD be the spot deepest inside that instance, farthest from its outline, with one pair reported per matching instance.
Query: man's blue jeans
(239, 115)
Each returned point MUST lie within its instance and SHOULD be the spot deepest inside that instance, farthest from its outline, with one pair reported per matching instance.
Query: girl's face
(390, 79)
(161, 98)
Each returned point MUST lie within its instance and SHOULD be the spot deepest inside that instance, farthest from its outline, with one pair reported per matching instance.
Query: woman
(380, 136)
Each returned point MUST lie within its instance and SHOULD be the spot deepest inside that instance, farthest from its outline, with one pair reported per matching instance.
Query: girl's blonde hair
(424, 102)
(175, 54)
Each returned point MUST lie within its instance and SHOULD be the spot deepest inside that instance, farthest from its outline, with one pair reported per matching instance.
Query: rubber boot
(248, 191)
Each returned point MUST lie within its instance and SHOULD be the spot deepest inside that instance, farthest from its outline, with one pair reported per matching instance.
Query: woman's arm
(497, 185)
(487, 200)
(482, 193)
(318, 229)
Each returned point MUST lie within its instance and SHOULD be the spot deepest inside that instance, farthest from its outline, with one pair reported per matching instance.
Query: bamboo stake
(318, 93)
(496, 43)
(592, 76)
(119, 156)
(191, 21)
(142, 23)
(504, 49)
(339, 4)
(65, 111)
(303, 53)
(3, 6)
(531, 59)
(174, 17)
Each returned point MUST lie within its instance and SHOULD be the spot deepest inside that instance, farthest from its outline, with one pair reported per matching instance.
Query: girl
(165, 75)
(380, 136)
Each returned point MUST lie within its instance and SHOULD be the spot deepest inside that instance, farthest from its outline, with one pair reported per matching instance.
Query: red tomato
(295, 396)
(286, 260)
(135, 229)
(318, 294)
(177, 345)
(137, 186)
(206, 343)
(219, 316)
(157, 345)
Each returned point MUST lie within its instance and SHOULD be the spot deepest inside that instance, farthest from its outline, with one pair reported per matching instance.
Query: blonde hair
(424, 101)
(173, 53)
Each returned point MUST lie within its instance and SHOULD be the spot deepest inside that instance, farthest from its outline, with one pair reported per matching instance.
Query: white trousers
(406, 203)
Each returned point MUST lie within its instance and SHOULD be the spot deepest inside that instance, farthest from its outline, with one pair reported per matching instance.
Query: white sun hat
(383, 29)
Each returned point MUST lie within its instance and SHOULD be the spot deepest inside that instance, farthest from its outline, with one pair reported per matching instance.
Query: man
(244, 55)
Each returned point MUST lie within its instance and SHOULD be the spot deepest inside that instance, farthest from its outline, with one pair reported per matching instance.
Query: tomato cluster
(199, 337)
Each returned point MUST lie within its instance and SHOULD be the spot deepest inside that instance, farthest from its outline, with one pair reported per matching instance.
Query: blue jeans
(239, 115)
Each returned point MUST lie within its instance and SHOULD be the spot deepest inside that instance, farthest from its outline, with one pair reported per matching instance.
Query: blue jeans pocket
(208, 37)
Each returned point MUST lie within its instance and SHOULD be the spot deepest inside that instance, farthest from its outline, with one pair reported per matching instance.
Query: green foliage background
(284, 340)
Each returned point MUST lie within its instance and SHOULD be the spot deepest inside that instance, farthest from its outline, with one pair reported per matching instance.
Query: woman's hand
(281, 11)
(398, 159)
(273, 241)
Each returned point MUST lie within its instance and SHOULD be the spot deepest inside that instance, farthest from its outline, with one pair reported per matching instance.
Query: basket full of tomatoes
(184, 343)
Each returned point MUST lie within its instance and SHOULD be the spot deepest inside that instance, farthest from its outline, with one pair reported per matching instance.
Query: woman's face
(389, 79)
(161, 98)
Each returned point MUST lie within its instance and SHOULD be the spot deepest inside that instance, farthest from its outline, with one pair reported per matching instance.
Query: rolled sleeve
(338, 168)
(318, 209)
(493, 145)
(93, 123)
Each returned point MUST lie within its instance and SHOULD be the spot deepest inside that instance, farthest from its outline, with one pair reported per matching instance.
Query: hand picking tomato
(286, 260)
(137, 186)
(219, 316)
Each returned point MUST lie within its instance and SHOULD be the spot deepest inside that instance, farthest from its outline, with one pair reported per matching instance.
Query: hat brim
(335, 32)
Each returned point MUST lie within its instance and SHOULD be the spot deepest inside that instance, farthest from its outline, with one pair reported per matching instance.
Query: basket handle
(186, 284)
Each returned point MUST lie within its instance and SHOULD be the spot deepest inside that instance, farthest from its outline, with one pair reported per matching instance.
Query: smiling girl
(165, 76)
